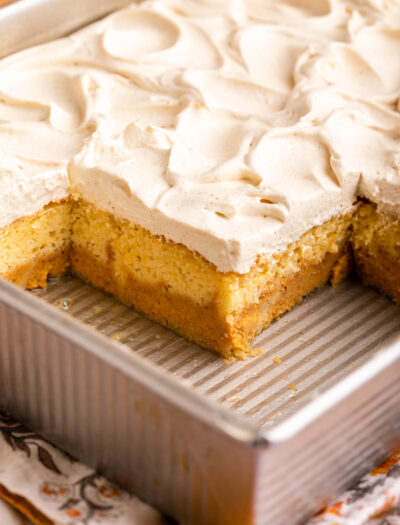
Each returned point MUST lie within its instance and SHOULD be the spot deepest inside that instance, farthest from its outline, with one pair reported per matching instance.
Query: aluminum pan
(111, 419)
(177, 389)
(386, 358)
(333, 335)
(345, 417)
(26, 23)
(76, 386)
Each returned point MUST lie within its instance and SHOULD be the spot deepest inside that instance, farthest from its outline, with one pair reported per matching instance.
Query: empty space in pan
(306, 351)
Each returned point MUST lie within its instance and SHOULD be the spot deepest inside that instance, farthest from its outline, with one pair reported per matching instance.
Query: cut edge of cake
(36, 247)
(180, 289)
(376, 247)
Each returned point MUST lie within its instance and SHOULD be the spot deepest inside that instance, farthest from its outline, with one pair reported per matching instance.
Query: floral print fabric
(375, 500)
(34, 473)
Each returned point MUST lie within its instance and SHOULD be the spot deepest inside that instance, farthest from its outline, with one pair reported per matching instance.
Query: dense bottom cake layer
(203, 324)
(180, 289)
(198, 323)
(35, 273)
(380, 271)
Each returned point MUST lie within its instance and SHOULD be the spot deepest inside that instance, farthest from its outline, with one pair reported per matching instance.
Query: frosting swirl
(231, 126)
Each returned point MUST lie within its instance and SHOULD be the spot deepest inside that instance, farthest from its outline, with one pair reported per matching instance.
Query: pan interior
(309, 349)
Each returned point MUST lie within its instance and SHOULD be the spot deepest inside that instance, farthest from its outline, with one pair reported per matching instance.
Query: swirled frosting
(231, 126)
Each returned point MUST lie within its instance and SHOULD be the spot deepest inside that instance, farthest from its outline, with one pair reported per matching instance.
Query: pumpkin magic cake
(208, 163)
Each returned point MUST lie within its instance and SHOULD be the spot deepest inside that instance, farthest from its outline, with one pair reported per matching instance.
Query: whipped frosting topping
(231, 126)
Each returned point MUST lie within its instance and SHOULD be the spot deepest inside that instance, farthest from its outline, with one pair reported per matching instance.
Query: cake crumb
(157, 336)
(117, 336)
(234, 399)
(277, 360)
(292, 387)
(253, 352)
(285, 378)
(241, 354)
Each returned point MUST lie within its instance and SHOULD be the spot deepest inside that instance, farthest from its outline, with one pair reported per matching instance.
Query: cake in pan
(209, 163)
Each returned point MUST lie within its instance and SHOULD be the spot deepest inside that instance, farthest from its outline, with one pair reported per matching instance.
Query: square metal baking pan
(267, 441)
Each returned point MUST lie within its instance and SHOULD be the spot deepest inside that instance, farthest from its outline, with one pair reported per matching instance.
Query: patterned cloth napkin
(375, 500)
(48, 486)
